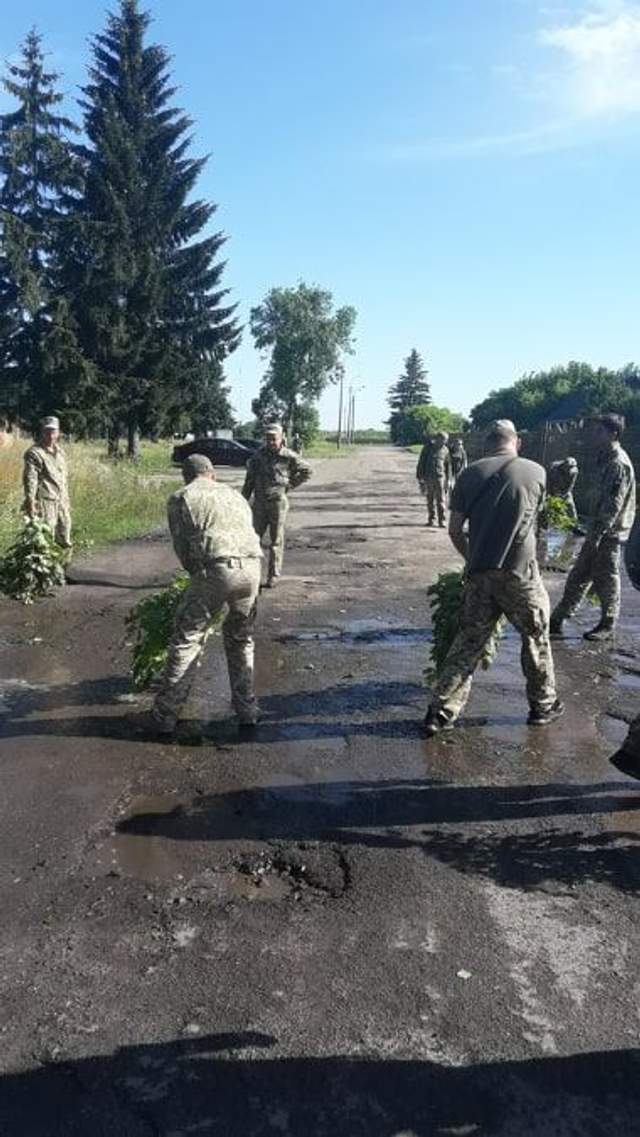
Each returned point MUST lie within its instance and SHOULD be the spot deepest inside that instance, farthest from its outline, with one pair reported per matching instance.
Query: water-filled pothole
(359, 636)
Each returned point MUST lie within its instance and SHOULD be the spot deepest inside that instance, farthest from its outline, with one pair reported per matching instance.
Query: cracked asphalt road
(338, 929)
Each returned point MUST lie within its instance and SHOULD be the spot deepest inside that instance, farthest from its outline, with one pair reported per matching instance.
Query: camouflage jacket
(458, 459)
(210, 522)
(434, 463)
(616, 505)
(271, 473)
(562, 477)
(44, 477)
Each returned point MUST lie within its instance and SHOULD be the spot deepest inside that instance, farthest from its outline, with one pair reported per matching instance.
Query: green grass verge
(322, 449)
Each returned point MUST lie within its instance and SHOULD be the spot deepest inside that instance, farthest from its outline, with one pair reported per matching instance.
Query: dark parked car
(221, 451)
(250, 443)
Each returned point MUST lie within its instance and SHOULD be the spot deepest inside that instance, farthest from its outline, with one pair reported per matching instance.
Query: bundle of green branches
(34, 564)
(555, 515)
(446, 598)
(151, 623)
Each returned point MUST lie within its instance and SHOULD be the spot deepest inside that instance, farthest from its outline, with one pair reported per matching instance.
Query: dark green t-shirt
(501, 497)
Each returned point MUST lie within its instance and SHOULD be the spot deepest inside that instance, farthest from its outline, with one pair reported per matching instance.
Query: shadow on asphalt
(378, 814)
(221, 1085)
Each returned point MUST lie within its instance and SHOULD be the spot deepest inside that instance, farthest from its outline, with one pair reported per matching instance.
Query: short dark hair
(613, 424)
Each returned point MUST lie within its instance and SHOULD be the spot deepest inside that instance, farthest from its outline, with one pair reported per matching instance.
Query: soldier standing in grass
(500, 497)
(46, 489)
(598, 563)
(271, 472)
(434, 474)
(215, 541)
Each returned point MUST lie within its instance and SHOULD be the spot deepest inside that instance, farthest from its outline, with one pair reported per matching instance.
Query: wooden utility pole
(341, 407)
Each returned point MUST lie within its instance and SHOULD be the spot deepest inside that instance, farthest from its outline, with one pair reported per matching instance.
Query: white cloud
(599, 73)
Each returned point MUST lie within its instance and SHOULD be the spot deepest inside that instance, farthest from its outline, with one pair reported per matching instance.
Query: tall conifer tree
(410, 390)
(153, 315)
(40, 174)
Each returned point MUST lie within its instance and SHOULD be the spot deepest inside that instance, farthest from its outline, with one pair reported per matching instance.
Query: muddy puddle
(360, 633)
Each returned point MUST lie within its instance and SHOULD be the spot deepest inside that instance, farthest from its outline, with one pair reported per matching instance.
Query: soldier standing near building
(214, 539)
(46, 489)
(458, 456)
(563, 476)
(271, 472)
(434, 474)
(499, 497)
(598, 562)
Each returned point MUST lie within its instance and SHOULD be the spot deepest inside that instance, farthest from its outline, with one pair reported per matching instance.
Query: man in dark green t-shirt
(498, 498)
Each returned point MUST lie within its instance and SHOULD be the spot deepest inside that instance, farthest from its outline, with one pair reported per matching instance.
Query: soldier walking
(46, 488)
(214, 540)
(434, 474)
(598, 562)
(499, 497)
(272, 472)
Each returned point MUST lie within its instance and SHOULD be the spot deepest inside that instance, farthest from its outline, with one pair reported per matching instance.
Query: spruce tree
(40, 174)
(152, 311)
(410, 390)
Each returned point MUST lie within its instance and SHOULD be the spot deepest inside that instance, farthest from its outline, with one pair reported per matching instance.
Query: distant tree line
(574, 391)
(413, 415)
(113, 313)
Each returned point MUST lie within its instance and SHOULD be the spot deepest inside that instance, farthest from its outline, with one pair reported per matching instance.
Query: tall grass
(109, 502)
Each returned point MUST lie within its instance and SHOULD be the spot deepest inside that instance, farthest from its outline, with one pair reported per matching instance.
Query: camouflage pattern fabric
(458, 458)
(525, 603)
(436, 490)
(597, 565)
(616, 506)
(434, 474)
(270, 475)
(271, 514)
(209, 520)
(46, 490)
(235, 583)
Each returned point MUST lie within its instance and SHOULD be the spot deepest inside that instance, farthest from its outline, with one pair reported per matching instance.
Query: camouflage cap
(196, 465)
(50, 423)
(274, 428)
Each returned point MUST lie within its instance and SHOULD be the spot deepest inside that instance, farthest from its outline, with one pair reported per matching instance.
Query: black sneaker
(626, 763)
(602, 633)
(435, 722)
(555, 625)
(538, 717)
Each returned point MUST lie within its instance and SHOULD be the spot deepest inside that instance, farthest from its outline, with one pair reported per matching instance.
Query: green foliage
(306, 337)
(555, 515)
(421, 421)
(151, 623)
(34, 565)
(446, 598)
(578, 387)
(410, 390)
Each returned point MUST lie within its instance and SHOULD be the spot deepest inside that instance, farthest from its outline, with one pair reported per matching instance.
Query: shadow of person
(223, 1086)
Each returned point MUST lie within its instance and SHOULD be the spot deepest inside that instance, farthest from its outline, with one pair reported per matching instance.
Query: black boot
(603, 632)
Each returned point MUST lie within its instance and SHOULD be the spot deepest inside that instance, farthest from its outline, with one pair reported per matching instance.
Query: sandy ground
(338, 929)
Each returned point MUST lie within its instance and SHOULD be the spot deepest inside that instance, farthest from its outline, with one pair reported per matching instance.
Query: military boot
(555, 623)
(603, 632)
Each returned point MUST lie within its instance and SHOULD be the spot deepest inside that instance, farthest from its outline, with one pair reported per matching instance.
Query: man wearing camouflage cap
(272, 472)
(46, 489)
(499, 497)
(434, 474)
(214, 540)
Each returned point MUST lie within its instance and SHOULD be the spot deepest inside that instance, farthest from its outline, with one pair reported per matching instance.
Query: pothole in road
(283, 872)
(359, 633)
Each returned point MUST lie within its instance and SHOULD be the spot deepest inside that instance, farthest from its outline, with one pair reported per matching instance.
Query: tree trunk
(113, 442)
(133, 441)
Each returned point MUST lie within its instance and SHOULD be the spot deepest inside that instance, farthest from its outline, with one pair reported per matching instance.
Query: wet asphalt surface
(337, 929)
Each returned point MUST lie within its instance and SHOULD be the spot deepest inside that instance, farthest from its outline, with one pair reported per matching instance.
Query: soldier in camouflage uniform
(458, 457)
(627, 758)
(271, 472)
(563, 476)
(434, 474)
(46, 490)
(598, 563)
(215, 541)
(500, 497)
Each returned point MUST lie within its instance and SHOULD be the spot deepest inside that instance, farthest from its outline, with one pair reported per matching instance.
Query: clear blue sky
(465, 172)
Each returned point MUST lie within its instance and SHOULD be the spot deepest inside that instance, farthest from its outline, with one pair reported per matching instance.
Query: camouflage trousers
(234, 583)
(436, 494)
(488, 596)
(597, 565)
(271, 514)
(570, 503)
(57, 514)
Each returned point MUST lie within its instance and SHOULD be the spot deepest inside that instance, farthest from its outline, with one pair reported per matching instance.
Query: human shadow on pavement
(22, 698)
(221, 1085)
(526, 861)
(393, 814)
